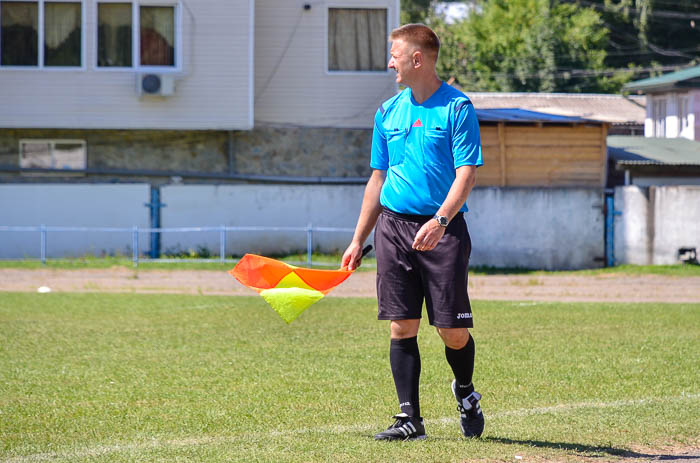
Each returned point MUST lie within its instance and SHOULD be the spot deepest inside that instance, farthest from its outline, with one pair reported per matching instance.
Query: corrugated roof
(685, 78)
(614, 109)
(523, 115)
(626, 150)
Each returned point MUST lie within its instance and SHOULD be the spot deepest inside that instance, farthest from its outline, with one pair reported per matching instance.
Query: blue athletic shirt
(421, 145)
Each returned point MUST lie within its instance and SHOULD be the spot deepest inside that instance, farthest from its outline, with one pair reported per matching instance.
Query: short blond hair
(420, 36)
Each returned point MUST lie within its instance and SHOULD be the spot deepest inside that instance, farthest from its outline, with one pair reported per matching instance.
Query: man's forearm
(459, 191)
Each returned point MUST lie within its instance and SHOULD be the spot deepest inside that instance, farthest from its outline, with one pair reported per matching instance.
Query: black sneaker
(404, 428)
(471, 419)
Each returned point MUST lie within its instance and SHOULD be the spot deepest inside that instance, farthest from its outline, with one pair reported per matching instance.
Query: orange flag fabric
(288, 289)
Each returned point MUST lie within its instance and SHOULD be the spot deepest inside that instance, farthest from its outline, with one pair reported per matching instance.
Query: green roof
(626, 150)
(686, 78)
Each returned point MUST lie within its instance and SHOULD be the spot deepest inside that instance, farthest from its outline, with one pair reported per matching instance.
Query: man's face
(401, 61)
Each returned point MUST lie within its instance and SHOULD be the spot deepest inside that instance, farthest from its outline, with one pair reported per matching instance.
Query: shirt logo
(418, 123)
(464, 315)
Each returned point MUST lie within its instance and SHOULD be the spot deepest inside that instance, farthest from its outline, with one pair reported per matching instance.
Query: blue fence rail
(135, 232)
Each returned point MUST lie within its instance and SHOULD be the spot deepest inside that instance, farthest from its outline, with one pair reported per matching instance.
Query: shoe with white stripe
(404, 428)
(471, 420)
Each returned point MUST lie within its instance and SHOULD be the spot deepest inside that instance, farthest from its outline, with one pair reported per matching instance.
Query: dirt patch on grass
(565, 287)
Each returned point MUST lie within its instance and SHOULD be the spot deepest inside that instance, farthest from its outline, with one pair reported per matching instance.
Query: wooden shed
(531, 149)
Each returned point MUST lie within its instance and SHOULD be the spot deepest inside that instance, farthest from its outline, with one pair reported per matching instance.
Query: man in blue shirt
(425, 150)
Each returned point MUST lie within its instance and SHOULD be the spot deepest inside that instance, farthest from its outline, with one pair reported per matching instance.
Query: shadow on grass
(583, 448)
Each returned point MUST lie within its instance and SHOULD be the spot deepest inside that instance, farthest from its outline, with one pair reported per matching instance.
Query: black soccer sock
(462, 363)
(405, 367)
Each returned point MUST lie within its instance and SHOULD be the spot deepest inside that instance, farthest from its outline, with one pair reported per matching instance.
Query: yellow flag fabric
(289, 290)
(289, 303)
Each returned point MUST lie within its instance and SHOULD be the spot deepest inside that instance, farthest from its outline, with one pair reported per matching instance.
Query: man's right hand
(352, 258)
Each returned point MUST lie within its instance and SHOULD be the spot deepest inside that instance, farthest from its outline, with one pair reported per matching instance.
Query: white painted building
(673, 104)
(218, 64)
(313, 70)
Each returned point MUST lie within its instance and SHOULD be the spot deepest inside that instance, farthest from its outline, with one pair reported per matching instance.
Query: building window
(357, 39)
(62, 34)
(659, 115)
(114, 33)
(60, 38)
(19, 33)
(157, 36)
(153, 29)
(53, 154)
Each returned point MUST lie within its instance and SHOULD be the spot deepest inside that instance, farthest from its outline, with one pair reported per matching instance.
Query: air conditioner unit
(155, 84)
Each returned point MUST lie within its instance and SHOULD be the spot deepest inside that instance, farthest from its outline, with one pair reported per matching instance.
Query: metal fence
(44, 230)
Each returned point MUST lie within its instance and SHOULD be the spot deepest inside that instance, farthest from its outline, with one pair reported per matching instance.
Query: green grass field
(170, 378)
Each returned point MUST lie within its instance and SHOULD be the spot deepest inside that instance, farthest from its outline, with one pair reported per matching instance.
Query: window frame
(136, 38)
(40, 39)
(52, 142)
(331, 6)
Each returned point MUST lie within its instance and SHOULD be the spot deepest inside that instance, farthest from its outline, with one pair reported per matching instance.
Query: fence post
(135, 245)
(42, 230)
(155, 206)
(309, 244)
(222, 244)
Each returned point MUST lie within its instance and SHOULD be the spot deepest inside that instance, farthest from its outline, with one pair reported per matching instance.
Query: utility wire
(560, 72)
(652, 13)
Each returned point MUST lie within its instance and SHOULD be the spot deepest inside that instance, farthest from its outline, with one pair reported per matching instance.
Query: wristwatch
(441, 220)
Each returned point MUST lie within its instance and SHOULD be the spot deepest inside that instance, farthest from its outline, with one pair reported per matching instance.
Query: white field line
(195, 441)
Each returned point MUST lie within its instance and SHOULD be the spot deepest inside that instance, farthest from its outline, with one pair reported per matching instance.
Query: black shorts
(405, 277)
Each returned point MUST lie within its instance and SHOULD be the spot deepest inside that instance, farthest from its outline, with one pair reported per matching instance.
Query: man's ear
(417, 59)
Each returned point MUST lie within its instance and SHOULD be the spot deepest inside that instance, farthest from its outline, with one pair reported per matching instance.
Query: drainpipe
(610, 214)
(155, 205)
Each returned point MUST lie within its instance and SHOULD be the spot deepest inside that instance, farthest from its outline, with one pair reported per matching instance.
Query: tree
(526, 45)
(649, 34)
(414, 11)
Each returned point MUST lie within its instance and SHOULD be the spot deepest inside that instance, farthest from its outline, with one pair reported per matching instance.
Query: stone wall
(323, 152)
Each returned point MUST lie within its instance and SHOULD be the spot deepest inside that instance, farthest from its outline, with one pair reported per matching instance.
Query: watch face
(441, 220)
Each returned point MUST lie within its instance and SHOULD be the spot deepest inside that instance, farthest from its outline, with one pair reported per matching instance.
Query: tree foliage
(562, 45)
(650, 33)
(414, 11)
(523, 45)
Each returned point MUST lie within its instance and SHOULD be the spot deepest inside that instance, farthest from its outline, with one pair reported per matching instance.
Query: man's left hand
(428, 236)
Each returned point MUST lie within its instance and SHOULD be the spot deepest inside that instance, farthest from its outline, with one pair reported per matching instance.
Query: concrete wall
(535, 228)
(256, 205)
(71, 206)
(632, 232)
(655, 223)
(676, 221)
(513, 227)
(543, 228)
